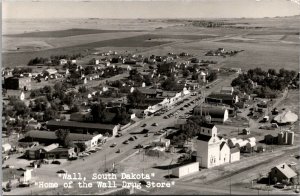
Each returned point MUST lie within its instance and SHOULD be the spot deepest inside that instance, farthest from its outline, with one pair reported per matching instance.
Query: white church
(211, 150)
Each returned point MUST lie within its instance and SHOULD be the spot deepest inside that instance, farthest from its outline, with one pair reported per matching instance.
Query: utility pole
(230, 186)
(105, 162)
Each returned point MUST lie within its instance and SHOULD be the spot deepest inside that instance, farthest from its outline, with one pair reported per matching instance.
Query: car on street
(135, 137)
(155, 124)
(131, 139)
(56, 162)
(118, 151)
(145, 130)
(166, 117)
(147, 134)
(126, 142)
(23, 184)
(144, 125)
(62, 171)
(113, 145)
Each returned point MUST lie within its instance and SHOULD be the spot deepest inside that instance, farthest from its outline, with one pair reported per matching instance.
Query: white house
(224, 153)
(63, 61)
(6, 147)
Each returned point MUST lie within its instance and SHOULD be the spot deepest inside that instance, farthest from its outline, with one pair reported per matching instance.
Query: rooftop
(80, 125)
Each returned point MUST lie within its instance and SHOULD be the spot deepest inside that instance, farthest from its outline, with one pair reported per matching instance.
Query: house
(63, 61)
(185, 170)
(80, 127)
(22, 96)
(224, 153)
(222, 98)
(217, 114)
(246, 131)
(282, 172)
(202, 77)
(148, 92)
(33, 125)
(234, 154)
(227, 90)
(50, 72)
(6, 147)
(16, 83)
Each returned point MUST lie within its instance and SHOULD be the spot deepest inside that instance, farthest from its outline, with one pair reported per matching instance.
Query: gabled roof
(286, 170)
(234, 150)
(222, 145)
(205, 138)
(207, 125)
(50, 147)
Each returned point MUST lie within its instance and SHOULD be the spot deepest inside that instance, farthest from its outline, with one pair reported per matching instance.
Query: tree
(186, 73)
(63, 136)
(212, 76)
(135, 98)
(98, 112)
(74, 108)
(50, 114)
(82, 146)
(169, 84)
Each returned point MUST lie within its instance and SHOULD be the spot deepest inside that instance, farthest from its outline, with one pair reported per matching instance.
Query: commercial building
(85, 128)
(222, 98)
(185, 170)
(216, 114)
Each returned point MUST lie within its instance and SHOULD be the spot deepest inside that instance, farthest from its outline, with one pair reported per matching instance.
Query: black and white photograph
(150, 97)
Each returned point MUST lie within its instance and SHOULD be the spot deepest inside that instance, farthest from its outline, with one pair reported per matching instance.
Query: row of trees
(269, 81)
(54, 60)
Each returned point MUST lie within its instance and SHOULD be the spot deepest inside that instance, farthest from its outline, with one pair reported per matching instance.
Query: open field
(275, 45)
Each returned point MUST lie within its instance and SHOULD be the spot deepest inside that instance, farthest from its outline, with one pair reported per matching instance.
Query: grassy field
(64, 33)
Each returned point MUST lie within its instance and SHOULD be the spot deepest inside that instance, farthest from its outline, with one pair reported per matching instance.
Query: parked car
(145, 131)
(144, 125)
(131, 139)
(126, 142)
(279, 185)
(62, 171)
(21, 169)
(23, 184)
(135, 137)
(113, 145)
(147, 134)
(56, 162)
(118, 151)
(155, 124)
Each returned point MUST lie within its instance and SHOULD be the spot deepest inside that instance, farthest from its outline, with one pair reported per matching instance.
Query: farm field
(267, 43)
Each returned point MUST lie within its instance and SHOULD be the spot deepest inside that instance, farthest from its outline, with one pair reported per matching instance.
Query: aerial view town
(150, 98)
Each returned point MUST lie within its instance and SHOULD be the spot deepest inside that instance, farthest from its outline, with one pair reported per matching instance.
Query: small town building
(6, 147)
(227, 90)
(246, 131)
(217, 114)
(224, 153)
(161, 142)
(185, 170)
(250, 146)
(282, 172)
(16, 83)
(222, 98)
(60, 153)
(234, 154)
(80, 127)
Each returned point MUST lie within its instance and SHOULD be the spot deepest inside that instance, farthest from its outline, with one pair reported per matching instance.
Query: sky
(42, 9)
